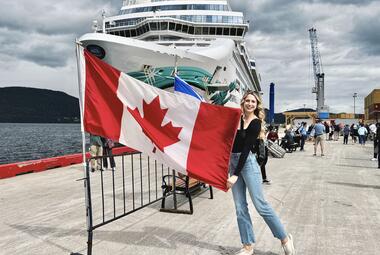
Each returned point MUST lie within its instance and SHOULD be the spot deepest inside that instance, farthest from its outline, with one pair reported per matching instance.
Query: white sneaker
(374, 159)
(288, 247)
(244, 252)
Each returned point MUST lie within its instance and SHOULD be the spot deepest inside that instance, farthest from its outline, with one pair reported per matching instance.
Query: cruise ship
(200, 41)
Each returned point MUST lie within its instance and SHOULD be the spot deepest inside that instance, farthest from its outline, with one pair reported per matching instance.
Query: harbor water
(26, 141)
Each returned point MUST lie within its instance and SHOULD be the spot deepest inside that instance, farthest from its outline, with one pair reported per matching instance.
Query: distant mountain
(30, 105)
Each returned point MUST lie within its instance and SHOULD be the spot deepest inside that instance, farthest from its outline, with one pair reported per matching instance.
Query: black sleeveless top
(245, 141)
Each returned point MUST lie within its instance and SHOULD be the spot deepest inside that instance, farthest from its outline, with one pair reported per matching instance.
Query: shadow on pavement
(354, 166)
(158, 237)
(356, 185)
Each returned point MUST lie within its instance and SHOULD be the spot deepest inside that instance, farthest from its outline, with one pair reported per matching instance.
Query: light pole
(355, 96)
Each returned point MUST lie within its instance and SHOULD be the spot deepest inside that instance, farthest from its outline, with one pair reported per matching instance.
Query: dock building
(372, 106)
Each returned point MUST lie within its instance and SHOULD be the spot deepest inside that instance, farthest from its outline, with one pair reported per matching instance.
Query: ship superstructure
(201, 41)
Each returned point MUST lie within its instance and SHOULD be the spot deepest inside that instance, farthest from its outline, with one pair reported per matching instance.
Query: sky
(37, 46)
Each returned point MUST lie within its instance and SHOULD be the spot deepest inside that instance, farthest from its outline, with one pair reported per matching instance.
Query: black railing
(136, 182)
(133, 184)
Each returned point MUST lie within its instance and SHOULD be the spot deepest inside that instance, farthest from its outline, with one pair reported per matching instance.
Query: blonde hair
(258, 112)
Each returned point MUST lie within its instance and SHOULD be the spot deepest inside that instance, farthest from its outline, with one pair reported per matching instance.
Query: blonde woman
(245, 174)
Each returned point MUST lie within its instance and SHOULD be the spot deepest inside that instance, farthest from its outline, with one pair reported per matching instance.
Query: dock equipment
(319, 76)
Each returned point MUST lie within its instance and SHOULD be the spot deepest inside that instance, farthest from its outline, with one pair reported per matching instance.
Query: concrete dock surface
(331, 205)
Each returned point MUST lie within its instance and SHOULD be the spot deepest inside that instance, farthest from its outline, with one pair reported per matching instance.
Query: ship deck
(331, 205)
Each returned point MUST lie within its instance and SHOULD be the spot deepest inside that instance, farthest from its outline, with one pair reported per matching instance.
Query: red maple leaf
(151, 124)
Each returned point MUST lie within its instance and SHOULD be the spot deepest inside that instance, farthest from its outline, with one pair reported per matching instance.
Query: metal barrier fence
(135, 183)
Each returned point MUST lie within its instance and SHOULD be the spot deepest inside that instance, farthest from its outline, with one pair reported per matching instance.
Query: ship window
(117, 33)
(185, 28)
(191, 30)
(122, 33)
(198, 30)
(151, 38)
(226, 31)
(146, 27)
(233, 31)
(153, 26)
(133, 32)
(212, 30)
(197, 7)
(164, 26)
(240, 31)
(178, 27)
(219, 31)
(205, 30)
(171, 26)
(209, 18)
(128, 33)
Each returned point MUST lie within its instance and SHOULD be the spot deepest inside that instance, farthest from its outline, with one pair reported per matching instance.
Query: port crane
(319, 76)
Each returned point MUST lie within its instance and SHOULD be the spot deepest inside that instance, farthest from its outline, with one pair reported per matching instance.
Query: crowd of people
(295, 136)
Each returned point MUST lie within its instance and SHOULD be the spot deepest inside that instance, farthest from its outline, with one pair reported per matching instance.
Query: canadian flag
(187, 135)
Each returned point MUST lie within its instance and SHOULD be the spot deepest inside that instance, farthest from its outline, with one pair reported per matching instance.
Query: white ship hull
(219, 59)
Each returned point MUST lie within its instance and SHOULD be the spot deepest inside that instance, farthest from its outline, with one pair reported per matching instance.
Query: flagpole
(81, 103)
(86, 170)
(175, 63)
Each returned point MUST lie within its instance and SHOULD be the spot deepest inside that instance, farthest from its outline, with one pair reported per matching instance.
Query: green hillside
(30, 105)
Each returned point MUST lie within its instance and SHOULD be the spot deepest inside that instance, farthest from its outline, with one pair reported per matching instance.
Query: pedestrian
(336, 132)
(272, 135)
(245, 174)
(108, 144)
(319, 130)
(346, 133)
(352, 132)
(373, 129)
(362, 132)
(263, 169)
(303, 133)
(377, 137)
(96, 150)
(331, 132)
(287, 141)
(356, 135)
(310, 131)
(327, 129)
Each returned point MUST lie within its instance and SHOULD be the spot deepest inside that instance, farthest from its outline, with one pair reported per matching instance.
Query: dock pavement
(330, 204)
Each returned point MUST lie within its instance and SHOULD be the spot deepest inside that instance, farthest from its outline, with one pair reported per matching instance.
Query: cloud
(366, 30)
(44, 33)
(37, 45)
(348, 42)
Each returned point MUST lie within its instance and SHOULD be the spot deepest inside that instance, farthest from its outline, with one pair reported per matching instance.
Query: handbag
(261, 151)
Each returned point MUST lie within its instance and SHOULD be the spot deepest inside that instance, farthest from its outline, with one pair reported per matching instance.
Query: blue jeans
(303, 139)
(362, 139)
(250, 177)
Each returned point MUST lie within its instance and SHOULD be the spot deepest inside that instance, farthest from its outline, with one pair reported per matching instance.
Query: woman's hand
(231, 181)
